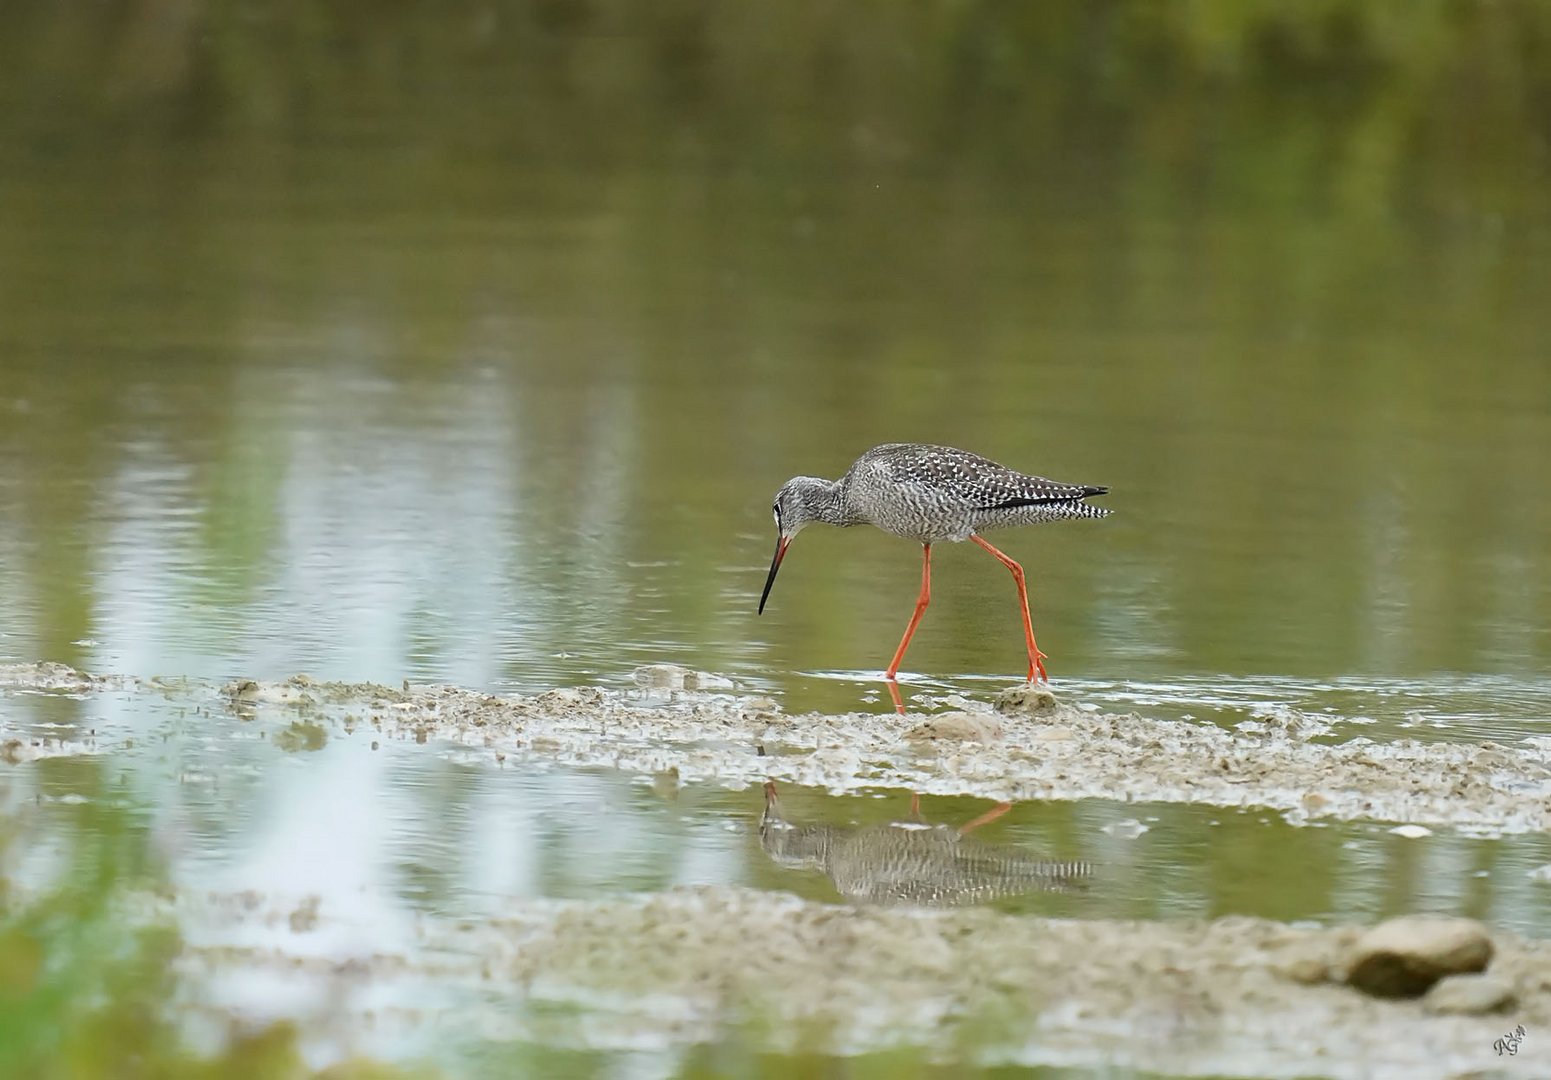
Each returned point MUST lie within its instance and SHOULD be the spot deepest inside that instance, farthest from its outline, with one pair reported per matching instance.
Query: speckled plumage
(937, 493)
(930, 494)
(912, 862)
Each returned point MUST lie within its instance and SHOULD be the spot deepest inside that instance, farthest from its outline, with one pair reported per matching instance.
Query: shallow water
(366, 855)
(556, 462)
(471, 349)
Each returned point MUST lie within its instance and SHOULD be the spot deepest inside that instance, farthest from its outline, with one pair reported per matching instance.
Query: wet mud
(1026, 744)
(1230, 996)
(1193, 997)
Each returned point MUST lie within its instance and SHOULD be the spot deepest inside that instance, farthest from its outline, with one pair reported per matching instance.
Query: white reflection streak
(394, 531)
(544, 833)
(142, 575)
(322, 838)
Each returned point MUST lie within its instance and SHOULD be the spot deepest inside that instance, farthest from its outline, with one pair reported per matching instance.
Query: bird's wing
(1031, 490)
(980, 483)
(925, 475)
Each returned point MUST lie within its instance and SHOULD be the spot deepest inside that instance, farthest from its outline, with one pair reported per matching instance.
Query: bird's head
(795, 505)
(797, 847)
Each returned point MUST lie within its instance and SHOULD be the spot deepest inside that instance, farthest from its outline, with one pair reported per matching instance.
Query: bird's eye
(775, 510)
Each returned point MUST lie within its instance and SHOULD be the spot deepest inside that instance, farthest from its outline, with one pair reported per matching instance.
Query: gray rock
(1027, 699)
(678, 677)
(1404, 957)
(1470, 994)
(956, 727)
(1302, 964)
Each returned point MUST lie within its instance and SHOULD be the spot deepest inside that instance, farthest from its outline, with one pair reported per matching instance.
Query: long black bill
(775, 564)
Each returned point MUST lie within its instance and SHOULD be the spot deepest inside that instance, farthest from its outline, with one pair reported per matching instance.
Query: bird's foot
(1037, 667)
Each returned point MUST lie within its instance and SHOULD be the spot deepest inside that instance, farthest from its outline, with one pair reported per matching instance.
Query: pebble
(1404, 957)
(1470, 995)
(678, 677)
(956, 727)
(1303, 966)
(1025, 699)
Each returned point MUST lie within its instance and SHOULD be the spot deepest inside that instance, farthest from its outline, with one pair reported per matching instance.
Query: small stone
(305, 917)
(1470, 995)
(1129, 829)
(1541, 873)
(1489, 759)
(1028, 698)
(1302, 965)
(666, 784)
(243, 690)
(707, 680)
(1054, 734)
(662, 676)
(1411, 832)
(956, 727)
(1404, 957)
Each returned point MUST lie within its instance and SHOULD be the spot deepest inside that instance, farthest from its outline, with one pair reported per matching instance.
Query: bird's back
(931, 493)
(886, 864)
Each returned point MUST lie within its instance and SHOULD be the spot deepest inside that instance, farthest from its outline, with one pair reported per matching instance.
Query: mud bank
(688, 966)
(1232, 996)
(1025, 745)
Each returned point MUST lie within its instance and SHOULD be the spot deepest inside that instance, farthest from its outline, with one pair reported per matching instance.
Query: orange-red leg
(899, 702)
(1036, 658)
(990, 815)
(915, 620)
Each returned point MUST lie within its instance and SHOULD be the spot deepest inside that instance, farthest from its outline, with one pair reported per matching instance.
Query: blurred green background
(469, 342)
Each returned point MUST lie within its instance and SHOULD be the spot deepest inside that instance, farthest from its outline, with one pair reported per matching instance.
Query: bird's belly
(937, 532)
(925, 520)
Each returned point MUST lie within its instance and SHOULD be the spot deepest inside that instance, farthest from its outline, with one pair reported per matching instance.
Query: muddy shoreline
(1228, 996)
(1191, 997)
(1026, 744)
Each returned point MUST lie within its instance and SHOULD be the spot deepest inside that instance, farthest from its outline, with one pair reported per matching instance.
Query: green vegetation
(1354, 101)
(86, 994)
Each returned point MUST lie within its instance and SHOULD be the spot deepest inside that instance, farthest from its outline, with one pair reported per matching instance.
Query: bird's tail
(1063, 501)
(1081, 508)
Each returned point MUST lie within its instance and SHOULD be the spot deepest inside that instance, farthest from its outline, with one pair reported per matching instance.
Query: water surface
(359, 859)
(470, 346)
(524, 432)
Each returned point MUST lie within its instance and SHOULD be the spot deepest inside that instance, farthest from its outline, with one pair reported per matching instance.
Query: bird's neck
(826, 501)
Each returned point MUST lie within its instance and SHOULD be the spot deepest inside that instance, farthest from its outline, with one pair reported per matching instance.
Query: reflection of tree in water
(913, 862)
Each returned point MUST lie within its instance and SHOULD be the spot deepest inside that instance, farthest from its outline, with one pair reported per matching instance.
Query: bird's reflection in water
(913, 862)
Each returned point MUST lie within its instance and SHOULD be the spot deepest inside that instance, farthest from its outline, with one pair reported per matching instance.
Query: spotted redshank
(930, 494)
(914, 862)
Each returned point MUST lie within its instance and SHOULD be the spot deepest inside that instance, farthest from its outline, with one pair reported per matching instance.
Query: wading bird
(930, 494)
(912, 862)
